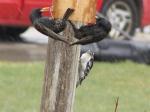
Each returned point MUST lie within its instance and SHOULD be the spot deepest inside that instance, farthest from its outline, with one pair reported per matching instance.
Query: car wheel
(11, 33)
(123, 15)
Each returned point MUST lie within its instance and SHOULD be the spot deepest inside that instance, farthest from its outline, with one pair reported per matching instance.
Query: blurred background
(121, 66)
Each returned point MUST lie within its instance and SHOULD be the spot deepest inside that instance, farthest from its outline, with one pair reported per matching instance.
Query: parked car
(127, 15)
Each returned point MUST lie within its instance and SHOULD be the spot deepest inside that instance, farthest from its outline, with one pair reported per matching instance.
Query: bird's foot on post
(83, 41)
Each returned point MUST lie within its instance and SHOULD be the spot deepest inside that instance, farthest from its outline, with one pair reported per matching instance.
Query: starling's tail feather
(67, 14)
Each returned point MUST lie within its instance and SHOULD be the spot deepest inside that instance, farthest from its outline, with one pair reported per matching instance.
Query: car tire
(11, 34)
(130, 16)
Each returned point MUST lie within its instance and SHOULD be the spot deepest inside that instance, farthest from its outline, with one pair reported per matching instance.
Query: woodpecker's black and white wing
(85, 65)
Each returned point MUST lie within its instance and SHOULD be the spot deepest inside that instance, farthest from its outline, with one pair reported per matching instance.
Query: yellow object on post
(85, 10)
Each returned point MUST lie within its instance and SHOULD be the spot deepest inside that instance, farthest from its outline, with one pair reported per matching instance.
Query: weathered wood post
(62, 60)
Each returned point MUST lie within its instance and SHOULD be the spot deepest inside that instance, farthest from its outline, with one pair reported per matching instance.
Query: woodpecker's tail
(68, 13)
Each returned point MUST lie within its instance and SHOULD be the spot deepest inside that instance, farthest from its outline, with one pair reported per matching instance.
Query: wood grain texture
(85, 10)
(60, 75)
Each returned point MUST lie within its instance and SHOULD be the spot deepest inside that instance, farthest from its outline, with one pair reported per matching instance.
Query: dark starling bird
(48, 26)
(92, 33)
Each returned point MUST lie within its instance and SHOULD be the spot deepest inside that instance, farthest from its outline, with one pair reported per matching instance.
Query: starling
(92, 33)
(48, 26)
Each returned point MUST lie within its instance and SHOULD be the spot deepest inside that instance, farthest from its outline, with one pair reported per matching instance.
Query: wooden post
(60, 75)
(61, 70)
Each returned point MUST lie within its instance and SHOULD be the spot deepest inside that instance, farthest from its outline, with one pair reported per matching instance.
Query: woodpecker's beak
(45, 9)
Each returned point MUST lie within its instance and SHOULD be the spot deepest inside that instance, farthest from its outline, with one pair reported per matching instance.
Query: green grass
(21, 85)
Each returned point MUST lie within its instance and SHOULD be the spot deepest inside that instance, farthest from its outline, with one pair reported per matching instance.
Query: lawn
(21, 85)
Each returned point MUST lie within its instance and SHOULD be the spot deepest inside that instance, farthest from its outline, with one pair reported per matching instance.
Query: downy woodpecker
(92, 33)
(85, 65)
(49, 26)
